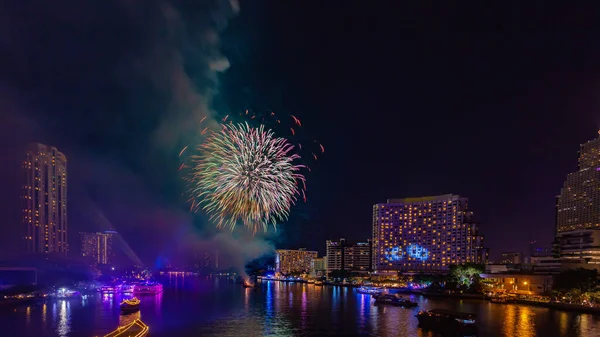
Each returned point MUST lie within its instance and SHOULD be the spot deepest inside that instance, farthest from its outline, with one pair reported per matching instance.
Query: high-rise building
(294, 261)
(97, 247)
(354, 257)
(44, 199)
(578, 210)
(425, 234)
(512, 258)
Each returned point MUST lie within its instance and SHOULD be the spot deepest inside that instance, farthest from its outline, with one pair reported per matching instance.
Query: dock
(136, 328)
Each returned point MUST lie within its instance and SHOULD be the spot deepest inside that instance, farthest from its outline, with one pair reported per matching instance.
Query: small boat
(318, 283)
(311, 281)
(498, 299)
(395, 300)
(131, 305)
(136, 328)
(247, 284)
(369, 290)
(107, 289)
(448, 321)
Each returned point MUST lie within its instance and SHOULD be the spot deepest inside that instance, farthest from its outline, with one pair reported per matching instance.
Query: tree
(466, 275)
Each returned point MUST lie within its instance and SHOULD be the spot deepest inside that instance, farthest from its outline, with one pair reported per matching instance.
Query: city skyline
(496, 119)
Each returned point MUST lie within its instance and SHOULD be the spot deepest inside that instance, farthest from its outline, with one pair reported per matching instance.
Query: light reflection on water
(64, 323)
(225, 309)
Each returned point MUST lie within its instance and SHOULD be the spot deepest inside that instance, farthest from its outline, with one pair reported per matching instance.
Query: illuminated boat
(369, 290)
(126, 288)
(318, 283)
(107, 289)
(148, 288)
(131, 305)
(248, 284)
(395, 300)
(136, 328)
(448, 321)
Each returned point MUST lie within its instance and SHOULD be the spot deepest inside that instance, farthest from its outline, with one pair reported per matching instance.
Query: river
(193, 306)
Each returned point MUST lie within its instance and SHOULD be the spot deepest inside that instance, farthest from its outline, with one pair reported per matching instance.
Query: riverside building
(578, 211)
(426, 234)
(289, 261)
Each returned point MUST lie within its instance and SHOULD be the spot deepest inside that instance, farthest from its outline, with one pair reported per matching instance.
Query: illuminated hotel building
(97, 247)
(44, 197)
(294, 261)
(578, 210)
(425, 234)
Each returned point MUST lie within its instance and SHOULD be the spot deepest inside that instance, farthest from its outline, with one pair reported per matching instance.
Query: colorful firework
(245, 175)
(287, 125)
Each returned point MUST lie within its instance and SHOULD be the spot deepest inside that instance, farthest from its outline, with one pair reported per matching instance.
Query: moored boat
(369, 290)
(130, 305)
(318, 283)
(499, 299)
(448, 321)
(148, 288)
(107, 289)
(395, 300)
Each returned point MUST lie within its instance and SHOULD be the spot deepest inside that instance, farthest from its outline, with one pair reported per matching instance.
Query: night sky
(489, 103)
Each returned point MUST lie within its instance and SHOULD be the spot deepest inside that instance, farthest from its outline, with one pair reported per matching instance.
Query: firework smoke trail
(245, 174)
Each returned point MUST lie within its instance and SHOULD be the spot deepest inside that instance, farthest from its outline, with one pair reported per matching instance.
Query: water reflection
(280, 309)
(526, 325)
(28, 315)
(44, 313)
(126, 319)
(509, 322)
(64, 323)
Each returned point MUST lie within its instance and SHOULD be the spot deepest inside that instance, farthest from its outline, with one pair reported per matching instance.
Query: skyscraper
(578, 209)
(44, 199)
(425, 234)
(98, 247)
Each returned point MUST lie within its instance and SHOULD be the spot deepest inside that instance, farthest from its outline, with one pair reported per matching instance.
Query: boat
(136, 328)
(498, 299)
(107, 289)
(395, 300)
(369, 290)
(248, 284)
(318, 283)
(131, 305)
(311, 281)
(448, 321)
(148, 288)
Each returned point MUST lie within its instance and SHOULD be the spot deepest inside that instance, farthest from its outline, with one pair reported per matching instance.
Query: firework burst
(245, 175)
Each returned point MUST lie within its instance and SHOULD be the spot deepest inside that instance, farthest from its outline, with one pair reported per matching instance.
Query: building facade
(319, 267)
(578, 211)
(354, 257)
(512, 258)
(294, 261)
(425, 234)
(44, 197)
(98, 247)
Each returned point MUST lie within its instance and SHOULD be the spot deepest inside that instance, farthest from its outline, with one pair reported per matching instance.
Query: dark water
(206, 307)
